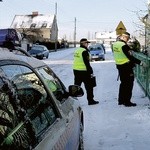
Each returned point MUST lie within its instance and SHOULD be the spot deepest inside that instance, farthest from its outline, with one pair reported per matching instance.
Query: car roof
(36, 45)
(96, 46)
(5, 54)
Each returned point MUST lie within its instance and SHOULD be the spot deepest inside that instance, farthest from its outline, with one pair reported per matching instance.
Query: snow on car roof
(5, 54)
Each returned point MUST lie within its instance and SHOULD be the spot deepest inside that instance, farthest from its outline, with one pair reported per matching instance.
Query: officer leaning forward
(82, 70)
(125, 62)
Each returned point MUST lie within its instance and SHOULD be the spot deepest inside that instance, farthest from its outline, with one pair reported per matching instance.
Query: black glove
(90, 70)
(143, 64)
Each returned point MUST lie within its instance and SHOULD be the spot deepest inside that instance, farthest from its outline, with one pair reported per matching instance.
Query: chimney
(35, 13)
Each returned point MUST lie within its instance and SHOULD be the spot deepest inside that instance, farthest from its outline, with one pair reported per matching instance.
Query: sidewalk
(109, 126)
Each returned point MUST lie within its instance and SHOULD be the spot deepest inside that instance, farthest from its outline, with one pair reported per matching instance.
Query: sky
(107, 125)
(91, 16)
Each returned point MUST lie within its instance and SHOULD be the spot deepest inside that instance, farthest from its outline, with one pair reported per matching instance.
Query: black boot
(93, 102)
(120, 103)
(130, 104)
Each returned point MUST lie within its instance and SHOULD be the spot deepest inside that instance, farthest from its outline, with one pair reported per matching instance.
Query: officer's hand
(143, 64)
(90, 70)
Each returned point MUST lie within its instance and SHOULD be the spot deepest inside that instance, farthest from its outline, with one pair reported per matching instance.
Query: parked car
(39, 51)
(37, 111)
(97, 52)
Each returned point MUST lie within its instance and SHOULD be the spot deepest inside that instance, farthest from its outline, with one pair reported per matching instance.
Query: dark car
(10, 37)
(37, 111)
(97, 52)
(39, 51)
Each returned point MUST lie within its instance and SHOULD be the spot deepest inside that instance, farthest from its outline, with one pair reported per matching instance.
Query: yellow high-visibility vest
(119, 56)
(78, 63)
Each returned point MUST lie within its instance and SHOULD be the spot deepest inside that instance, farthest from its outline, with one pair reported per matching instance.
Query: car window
(45, 48)
(7, 113)
(54, 84)
(37, 48)
(11, 125)
(29, 114)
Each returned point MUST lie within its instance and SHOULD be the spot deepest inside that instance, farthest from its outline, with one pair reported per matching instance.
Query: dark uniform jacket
(129, 54)
(86, 60)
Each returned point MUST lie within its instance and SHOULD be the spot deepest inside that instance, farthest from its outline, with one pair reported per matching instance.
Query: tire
(47, 56)
(41, 57)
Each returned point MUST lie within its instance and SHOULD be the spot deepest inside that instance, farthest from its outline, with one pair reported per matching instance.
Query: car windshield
(38, 48)
(95, 48)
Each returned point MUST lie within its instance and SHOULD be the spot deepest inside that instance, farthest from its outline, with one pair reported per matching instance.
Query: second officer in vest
(125, 63)
(83, 70)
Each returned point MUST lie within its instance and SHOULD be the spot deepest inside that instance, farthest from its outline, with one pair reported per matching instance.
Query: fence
(143, 73)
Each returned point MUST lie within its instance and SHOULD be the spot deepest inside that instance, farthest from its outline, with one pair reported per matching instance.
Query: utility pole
(75, 32)
(56, 36)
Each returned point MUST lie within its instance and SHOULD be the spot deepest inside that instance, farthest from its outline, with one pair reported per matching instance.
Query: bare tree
(32, 35)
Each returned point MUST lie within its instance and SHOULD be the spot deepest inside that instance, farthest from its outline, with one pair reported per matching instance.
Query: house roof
(35, 21)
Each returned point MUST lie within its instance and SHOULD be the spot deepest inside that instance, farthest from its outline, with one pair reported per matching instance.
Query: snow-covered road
(107, 126)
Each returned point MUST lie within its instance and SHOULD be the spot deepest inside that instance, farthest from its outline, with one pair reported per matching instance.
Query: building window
(33, 25)
(44, 25)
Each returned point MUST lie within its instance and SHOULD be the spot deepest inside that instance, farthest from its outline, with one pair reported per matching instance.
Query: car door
(33, 115)
(43, 115)
(71, 111)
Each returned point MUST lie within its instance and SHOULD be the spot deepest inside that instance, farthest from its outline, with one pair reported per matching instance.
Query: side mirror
(75, 91)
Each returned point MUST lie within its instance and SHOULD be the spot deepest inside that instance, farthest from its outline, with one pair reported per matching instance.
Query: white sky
(91, 16)
(107, 126)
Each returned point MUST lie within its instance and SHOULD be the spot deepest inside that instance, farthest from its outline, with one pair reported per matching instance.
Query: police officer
(125, 63)
(83, 70)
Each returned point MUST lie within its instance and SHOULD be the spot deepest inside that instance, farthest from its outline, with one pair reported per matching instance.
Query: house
(106, 37)
(37, 26)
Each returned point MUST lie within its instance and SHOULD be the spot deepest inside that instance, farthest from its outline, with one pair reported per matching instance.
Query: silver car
(36, 109)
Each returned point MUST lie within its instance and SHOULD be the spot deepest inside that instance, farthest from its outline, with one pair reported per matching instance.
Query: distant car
(39, 51)
(37, 111)
(97, 52)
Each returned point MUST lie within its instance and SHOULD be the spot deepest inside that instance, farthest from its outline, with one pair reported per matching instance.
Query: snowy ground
(107, 126)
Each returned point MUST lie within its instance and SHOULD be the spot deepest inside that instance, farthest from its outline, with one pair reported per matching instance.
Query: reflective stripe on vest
(119, 56)
(78, 63)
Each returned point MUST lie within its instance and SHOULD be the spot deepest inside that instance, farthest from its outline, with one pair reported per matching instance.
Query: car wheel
(42, 56)
(47, 56)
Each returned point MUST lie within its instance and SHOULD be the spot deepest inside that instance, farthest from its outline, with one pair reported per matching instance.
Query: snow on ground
(107, 126)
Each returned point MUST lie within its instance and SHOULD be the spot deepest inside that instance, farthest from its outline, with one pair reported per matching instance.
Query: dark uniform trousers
(127, 80)
(85, 77)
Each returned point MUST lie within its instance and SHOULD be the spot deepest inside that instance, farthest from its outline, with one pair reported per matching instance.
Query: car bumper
(99, 57)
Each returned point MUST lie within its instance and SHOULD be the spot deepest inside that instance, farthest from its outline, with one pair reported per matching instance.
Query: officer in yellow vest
(125, 63)
(83, 70)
